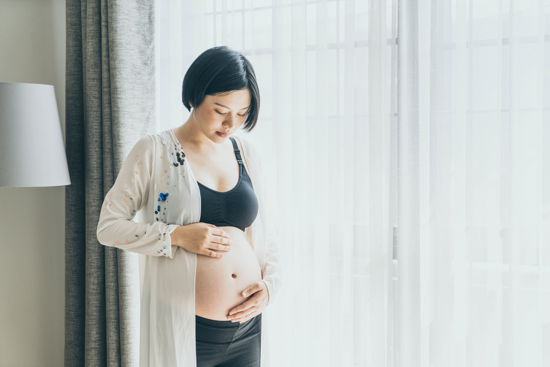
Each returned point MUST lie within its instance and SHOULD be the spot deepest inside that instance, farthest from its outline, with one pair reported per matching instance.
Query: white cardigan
(130, 219)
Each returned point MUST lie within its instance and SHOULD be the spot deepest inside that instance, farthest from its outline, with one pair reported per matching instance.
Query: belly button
(234, 275)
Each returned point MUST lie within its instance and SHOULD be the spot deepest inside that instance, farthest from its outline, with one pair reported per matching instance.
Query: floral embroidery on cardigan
(163, 196)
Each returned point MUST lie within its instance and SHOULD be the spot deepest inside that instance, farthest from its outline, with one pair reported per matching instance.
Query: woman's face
(224, 114)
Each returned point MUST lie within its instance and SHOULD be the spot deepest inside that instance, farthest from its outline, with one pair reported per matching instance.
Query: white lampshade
(32, 152)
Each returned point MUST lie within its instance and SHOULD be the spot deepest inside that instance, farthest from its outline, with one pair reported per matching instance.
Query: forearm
(144, 238)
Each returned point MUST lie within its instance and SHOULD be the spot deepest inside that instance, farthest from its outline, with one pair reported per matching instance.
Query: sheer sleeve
(272, 275)
(116, 226)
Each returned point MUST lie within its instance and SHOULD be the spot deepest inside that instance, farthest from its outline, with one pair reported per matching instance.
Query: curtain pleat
(75, 258)
(380, 226)
(110, 104)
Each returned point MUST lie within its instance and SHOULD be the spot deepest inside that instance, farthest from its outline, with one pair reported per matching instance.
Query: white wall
(32, 220)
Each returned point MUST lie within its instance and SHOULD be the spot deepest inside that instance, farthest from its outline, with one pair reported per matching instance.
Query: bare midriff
(219, 282)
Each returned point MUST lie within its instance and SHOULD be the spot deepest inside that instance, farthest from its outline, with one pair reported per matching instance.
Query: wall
(32, 220)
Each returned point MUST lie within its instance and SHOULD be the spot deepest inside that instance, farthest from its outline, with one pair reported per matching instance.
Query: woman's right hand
(203, 239)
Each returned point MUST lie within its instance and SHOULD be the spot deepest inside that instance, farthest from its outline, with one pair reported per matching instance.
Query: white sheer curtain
(474, 183)
(465, 171)
(327, 76)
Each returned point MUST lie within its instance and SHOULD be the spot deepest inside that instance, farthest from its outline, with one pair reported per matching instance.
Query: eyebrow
(228, 107)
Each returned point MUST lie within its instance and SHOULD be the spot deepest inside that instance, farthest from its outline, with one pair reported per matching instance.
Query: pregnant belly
(219, 282)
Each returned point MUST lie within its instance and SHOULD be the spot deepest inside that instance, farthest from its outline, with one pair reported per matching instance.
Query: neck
(194, 138)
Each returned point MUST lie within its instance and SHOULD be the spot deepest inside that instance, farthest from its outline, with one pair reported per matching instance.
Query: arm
(128, 196)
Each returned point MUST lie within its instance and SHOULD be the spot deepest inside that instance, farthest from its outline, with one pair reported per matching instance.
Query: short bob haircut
(219, 71)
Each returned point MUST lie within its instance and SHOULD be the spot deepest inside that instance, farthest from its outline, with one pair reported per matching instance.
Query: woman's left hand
(253, 306)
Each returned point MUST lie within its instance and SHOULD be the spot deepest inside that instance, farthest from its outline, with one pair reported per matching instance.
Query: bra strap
(237, 151)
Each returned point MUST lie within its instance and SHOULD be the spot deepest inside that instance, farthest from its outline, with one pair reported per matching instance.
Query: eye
(224, 113)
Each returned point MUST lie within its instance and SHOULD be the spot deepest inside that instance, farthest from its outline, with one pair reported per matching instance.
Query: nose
(229, 122)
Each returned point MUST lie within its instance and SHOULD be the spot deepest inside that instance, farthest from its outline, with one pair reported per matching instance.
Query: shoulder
(148, 147)
(145, 145)
(247, 147)
(249, 154)
(147, 140)
(154, 141)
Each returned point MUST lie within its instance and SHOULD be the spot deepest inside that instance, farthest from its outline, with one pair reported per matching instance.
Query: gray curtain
(110, 104)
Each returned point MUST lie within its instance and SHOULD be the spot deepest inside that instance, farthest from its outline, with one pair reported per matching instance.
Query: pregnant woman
(207, 231)
(228, 264)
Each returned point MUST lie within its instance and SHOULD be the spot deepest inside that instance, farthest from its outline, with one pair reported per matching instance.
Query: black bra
(237, 207)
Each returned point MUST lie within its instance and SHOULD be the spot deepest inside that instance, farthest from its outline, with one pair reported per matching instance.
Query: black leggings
(228, 344)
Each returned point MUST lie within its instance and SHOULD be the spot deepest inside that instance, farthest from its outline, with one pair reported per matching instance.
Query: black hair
(218, 71)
